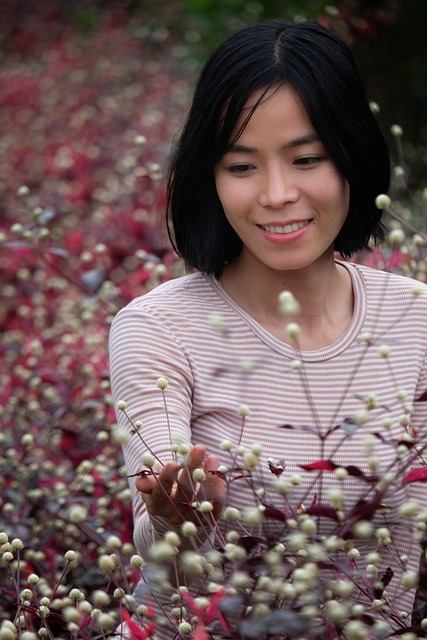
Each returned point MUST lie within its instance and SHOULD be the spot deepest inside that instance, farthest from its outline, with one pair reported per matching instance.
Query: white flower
(17, 544)
(340, 473)
(188, 528)
(240, 579)
(231, 513)
(336, 497)
(191, 562)
(234, 552)
(171, 537)
(417, 290)
(252, 515)
(378, 604)
(100, 598)
(136, 561)
(382, 201)
(121, 405)
(106, 563)
(384, 350)
(162, 551)
(289, 305)
(251, 461)
(76, 595)
(26, 595)
(409, 579)
(409, 508)
(396, 130)
(23, 190)
(396, 236)
(216, 321)
(341, 588)
(293, 330)
(140, 140)
(243, 410)
(362, 529)
(256, 449)
(356, 630)
(106, 621)
(206, 506)
(336, 611)
(297, 541)
(77, 514)
(199, 475)
(246, 365)
(361, 417)
(148, 459)
(184, 628)
(161, 383)
(309, 526)
(297, 364)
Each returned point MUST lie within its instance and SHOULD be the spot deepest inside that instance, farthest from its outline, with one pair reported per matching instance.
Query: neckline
(351, 332)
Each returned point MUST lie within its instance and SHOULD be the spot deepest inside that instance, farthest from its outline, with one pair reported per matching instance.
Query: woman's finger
(186, 484)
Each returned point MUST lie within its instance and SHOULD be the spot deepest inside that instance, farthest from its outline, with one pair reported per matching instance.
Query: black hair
(321, 68)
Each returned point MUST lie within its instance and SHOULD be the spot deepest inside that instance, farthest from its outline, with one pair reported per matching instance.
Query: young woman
(275, 174)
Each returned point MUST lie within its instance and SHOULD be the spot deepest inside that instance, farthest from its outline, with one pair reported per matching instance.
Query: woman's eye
(308, 160)
(240, 168)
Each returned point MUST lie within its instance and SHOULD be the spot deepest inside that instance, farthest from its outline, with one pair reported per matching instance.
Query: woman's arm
(144, 348)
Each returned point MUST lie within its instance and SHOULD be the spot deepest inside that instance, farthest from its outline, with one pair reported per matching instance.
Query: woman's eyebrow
(297, 142)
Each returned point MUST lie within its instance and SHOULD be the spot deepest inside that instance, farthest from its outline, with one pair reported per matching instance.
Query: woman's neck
(324, 294)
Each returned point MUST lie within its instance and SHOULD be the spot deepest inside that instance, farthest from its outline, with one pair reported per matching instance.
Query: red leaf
(85, 623)
(319, 465)
(213, 612)
(191, 603)
(276, 514)
(416, 475)
(136, 631)
(200, 633)
(323, 510)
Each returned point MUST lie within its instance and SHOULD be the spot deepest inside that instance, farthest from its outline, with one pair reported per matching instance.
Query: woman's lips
(286, 228)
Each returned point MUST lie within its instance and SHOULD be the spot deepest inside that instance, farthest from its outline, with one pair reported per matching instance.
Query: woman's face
(280, 190)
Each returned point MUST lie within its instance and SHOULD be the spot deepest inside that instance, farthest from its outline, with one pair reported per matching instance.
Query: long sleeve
(142, 350)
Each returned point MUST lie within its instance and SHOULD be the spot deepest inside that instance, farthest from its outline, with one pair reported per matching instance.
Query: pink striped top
(217, 358)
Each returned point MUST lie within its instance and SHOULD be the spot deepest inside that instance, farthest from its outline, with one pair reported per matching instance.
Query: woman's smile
(283, 232)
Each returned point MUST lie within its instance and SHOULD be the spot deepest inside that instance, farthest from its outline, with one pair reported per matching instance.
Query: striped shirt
(304, 406)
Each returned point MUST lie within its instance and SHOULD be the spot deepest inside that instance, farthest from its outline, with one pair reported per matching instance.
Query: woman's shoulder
(185, 296)
(389, 283)
(176, 291)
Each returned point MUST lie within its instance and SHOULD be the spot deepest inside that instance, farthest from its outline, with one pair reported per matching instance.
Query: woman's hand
(170, 489)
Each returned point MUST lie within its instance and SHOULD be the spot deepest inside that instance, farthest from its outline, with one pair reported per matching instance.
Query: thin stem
(136, 430)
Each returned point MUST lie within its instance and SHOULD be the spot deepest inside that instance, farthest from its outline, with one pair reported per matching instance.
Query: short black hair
(321, 68)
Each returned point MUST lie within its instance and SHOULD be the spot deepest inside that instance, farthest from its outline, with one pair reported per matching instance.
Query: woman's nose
(278, 188)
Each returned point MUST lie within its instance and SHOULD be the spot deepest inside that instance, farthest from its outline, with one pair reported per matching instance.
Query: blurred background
(92, 94)
(388, 36)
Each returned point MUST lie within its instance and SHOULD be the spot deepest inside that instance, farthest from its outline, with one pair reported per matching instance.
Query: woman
(275, 173)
